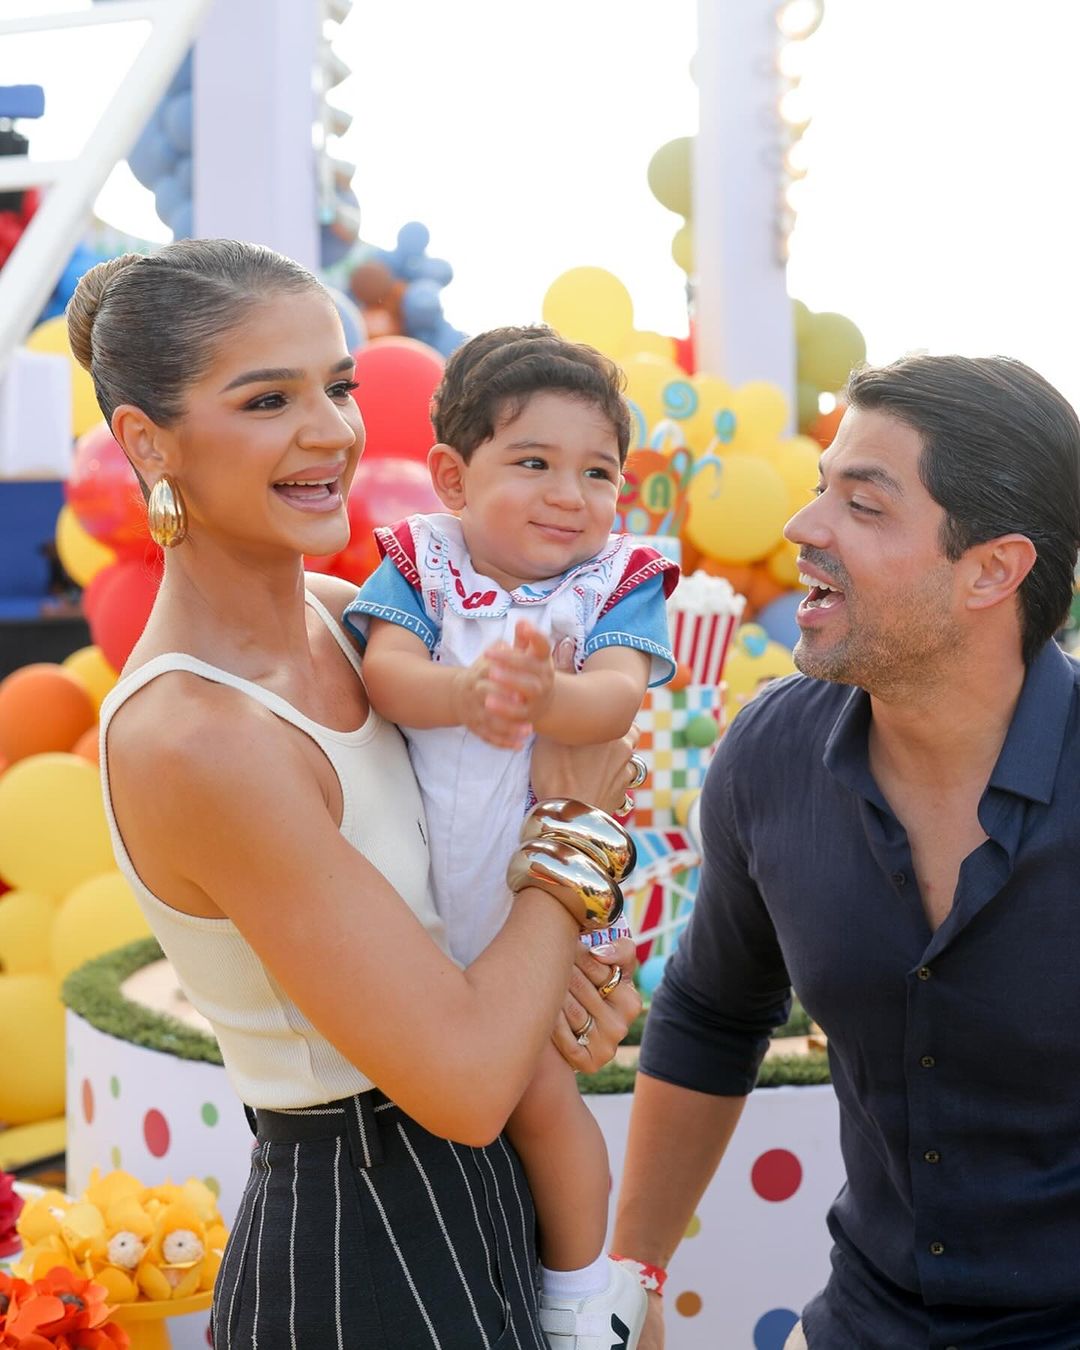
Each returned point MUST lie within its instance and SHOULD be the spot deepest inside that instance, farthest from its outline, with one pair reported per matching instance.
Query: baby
(461, 620)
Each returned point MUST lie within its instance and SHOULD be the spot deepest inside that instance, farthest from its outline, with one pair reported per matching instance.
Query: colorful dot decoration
(212, 1184)
(114, 1156)
(773, 1328)
(688, 1303)
(693, 1228)
(209, 1114)
(156, 1133)
(114, 1086)
(88, 1101)
(776, 1175)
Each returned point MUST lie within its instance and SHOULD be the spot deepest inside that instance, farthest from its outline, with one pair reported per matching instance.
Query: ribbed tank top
(274, 1057)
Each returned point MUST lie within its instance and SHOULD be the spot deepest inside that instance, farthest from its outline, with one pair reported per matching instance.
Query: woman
(270, 825)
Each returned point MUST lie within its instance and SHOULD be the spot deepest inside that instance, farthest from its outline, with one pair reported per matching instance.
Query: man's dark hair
(490, 379)
(1001, 455)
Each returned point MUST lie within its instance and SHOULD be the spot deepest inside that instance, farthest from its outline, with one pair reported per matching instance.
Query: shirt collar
(1029, 758)
(1027, 764)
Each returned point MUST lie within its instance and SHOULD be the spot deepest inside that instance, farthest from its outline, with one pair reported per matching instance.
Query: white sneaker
(608, 1321)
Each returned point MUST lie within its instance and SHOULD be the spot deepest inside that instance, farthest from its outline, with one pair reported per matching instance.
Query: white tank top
(274, 1057)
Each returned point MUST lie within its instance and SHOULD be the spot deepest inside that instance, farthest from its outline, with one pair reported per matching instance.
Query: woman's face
(271, 435)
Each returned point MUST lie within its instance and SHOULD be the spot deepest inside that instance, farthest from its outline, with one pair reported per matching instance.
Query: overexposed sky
(939, 211)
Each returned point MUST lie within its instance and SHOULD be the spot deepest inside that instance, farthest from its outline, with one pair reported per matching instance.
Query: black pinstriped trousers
(359, 1230)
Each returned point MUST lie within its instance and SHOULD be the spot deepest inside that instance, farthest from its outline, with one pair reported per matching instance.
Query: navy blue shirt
(955, 1055)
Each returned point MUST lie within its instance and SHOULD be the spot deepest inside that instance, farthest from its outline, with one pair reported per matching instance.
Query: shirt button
(928, 1061)
(923, 972)
(899, 879)
(937, 1249)
(931, 1156)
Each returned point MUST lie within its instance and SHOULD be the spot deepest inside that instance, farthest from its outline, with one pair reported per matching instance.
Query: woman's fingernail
(606, 949)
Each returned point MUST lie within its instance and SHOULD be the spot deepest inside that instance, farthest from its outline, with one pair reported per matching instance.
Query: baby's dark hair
(489, 380)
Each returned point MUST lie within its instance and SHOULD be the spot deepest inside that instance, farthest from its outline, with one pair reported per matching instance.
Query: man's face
(882, 607)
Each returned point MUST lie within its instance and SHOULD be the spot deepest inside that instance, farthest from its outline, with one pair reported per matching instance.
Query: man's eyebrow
(869, 473)
(270, 374)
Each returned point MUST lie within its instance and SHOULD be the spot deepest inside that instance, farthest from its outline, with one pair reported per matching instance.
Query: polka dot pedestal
(159, 1118)
(757, 1249)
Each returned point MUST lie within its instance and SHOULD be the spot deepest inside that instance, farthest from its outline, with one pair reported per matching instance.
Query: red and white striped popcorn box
(701, 633)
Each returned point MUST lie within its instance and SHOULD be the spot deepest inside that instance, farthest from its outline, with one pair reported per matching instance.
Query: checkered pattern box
(674, 766)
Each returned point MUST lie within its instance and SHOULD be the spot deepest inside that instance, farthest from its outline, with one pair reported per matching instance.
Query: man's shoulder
(795, 707)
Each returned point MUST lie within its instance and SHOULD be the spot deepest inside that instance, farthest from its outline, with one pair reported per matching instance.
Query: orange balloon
(42, 708)
(824, 426)
(682, 677)
(764, 588)
(87, 745)
(691, 556)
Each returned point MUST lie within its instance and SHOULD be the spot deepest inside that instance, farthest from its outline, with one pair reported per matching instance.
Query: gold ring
(641, 771)
(616, 979)
(582, 1036)
(626, 805)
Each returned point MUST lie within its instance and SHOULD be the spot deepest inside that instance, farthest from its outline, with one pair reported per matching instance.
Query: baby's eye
(604, 474)
(533, 462)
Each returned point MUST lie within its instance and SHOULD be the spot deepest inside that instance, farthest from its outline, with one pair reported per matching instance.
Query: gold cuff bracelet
(584, 827)
(572, 877)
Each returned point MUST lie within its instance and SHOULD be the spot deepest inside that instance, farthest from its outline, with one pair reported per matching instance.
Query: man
(905, 852)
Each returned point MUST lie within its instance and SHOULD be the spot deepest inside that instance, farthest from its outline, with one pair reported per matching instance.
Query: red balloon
(684, 351)
(117, 604)
(104, 493)
(383, 492)
(396, 377)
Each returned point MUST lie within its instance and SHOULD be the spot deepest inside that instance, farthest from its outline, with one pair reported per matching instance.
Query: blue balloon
(181, 81)
(421, 306)
(446, 339)
(650, 974)
(152, 156)
(177, 121)
(352, 321)
(778, 618)
(183, 222)
(437, 270)
(413, 237)
(169, 196)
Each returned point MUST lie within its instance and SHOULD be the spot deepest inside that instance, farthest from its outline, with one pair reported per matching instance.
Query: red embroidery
(478, 599)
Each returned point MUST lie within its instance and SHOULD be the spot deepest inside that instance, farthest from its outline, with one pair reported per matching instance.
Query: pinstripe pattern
(359, 1230)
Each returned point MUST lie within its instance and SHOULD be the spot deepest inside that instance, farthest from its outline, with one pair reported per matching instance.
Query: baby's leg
(565, 1158)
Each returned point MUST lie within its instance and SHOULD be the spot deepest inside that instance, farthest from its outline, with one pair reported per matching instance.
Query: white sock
(577, 1284)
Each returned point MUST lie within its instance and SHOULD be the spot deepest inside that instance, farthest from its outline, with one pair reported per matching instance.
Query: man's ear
(146, 444)
(447, 469)
(1003, 563)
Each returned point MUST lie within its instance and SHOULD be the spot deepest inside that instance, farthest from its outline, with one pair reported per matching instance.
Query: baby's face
(540, 495)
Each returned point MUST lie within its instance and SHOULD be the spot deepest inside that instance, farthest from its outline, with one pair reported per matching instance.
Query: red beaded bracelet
(649, 1277)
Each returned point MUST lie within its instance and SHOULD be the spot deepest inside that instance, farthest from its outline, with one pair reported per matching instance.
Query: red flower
(10, 1208)
(61, 1311)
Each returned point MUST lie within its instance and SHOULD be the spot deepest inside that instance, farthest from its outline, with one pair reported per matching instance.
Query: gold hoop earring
(166, 513)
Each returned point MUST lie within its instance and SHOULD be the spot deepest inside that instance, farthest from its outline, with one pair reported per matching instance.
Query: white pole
(28, 277)
(743, 313)
(255, 110)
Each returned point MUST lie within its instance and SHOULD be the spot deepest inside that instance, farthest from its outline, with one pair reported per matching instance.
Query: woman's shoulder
(332, 592)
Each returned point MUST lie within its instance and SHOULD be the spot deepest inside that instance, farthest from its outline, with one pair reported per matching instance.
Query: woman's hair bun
(84, 304)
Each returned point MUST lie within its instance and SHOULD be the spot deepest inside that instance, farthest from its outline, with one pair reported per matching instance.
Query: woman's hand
(611, 1015)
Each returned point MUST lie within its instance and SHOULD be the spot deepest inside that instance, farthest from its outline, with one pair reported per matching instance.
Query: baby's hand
(523, 675)
(485, 711)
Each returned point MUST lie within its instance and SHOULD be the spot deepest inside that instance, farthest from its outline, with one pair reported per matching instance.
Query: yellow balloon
(588, 304)
(682, 248)
(761, 414)
(830, 346)
(31, 1049)
(53, 832)
(82, 555)
(670, 175)
(747, 671)
(642, 342)
(782, 566)
(646, 379)
(737, 509)
(93, 672)
(26, 922)
(796, 461)
(713, 399)
(96, 917)
(51, 336)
